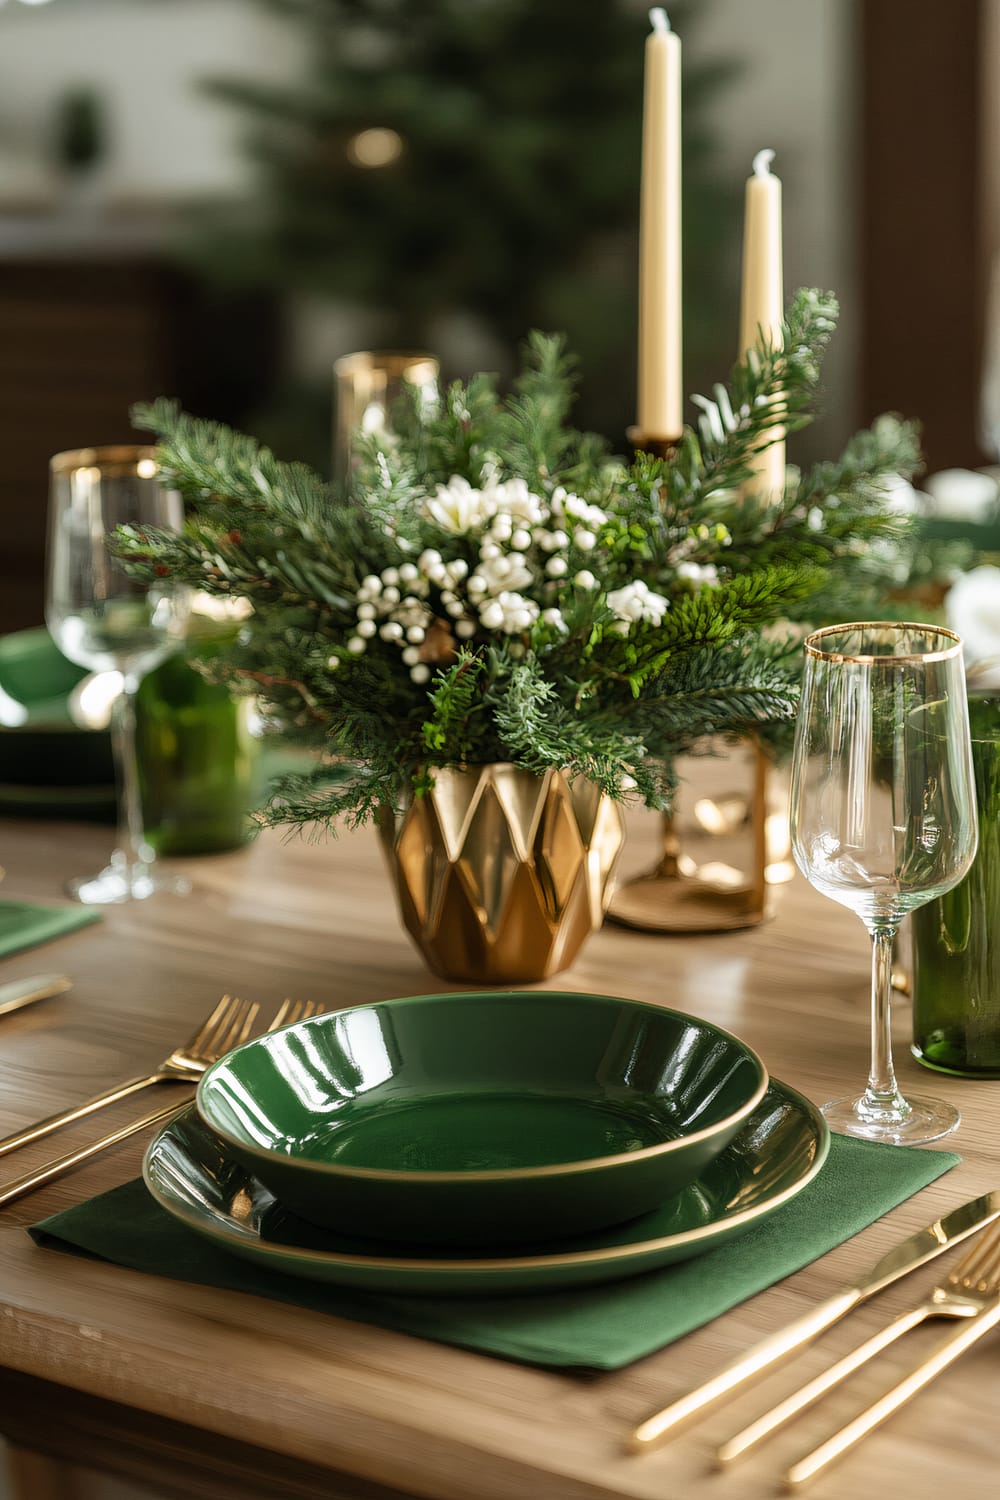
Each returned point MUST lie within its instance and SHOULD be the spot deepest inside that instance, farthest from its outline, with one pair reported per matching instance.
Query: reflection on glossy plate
(779, 1151)
(483, 1117)
(40, 745)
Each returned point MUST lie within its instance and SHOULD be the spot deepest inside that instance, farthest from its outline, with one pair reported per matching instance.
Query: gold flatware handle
(768, 1352)
(79, 1111)
(841, 1442)
(53, 1169)
(769, 1421)
(20, 992)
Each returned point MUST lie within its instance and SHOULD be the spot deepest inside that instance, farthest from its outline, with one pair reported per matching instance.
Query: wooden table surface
(203, 1393)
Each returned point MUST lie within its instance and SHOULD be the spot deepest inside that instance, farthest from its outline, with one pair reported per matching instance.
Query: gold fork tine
(290, 1011)
(976, 1273)
(240, 1017)
(240, 1025)
(184, 1065)
(986, 1286)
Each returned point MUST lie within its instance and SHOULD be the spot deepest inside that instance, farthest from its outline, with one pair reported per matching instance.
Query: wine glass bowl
(104, 618)
(883, 815)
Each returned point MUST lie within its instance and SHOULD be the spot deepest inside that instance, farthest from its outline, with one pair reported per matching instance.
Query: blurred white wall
(146, 59)
(167, 140)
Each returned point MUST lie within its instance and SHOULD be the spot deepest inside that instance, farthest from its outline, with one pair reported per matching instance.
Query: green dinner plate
(40, 745)
(779, 1151)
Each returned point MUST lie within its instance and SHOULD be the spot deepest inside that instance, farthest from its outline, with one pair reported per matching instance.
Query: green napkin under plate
(599, 1328)
(25, 926)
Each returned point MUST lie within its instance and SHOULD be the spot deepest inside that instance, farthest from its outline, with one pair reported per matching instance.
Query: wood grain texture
(179, 1372)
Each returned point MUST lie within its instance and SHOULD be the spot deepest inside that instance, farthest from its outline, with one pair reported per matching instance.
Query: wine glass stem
(132, 847)
(883, 1091)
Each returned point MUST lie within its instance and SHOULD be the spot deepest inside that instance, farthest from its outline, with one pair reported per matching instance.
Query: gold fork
(288, 1012)
(184, 1065)
(970, 1290)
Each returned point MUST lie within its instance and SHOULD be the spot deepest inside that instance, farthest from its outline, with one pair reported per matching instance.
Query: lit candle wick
(658, 19)
(762, 163)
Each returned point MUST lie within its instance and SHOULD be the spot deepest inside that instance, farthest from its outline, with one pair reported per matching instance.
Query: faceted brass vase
(501, 875)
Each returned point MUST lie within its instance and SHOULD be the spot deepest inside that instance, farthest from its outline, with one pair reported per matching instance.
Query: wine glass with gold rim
(103, 618)
(883, 816)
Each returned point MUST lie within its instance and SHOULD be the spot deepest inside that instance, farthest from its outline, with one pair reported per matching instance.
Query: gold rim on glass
(122, 457)
(842, 656)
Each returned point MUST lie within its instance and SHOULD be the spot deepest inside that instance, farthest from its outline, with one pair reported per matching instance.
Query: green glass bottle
(956, 939)
(198, 759)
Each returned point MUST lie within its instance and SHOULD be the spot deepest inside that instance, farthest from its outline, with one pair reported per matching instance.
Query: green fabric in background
(599, 1328)
(25, 926)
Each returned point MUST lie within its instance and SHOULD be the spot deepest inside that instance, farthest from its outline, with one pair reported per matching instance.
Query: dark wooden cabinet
(81, 340)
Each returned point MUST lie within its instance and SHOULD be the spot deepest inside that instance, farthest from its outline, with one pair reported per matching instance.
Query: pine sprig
(493, 585)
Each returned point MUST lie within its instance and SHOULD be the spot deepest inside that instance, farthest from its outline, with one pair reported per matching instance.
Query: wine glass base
(117, 883)
(924, 1120)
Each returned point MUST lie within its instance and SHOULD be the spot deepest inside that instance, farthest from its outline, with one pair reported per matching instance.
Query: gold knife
(913, 1252)
(21, 992)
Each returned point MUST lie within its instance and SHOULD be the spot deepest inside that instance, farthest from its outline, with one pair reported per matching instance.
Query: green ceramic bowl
(482, 1118)
(40, 746)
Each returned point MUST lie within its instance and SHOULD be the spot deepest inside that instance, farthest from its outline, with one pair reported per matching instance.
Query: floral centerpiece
(496, 587)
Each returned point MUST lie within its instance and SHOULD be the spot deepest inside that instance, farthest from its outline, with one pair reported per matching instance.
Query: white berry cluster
(519, 544)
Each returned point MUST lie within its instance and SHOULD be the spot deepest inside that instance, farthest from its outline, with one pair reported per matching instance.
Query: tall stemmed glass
(883, 816)
(105, 620)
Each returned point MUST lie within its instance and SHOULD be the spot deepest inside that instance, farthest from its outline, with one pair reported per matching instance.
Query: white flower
(553, 618)
(521, 540)
(585, 579)
(698, 572)
(637, 602)
(366, 629)
(458, 508)
(961, 495)
(356, 645)
(504, 572)
(972, 608)
(464, 629)
(410, 655)
(421, 672)
(509, 612)
(556, 567)
(585, 540)
(513, 498)
(333, 662)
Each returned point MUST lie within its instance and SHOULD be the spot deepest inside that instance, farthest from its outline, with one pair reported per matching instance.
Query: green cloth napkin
(24, 926)
(598, 1328)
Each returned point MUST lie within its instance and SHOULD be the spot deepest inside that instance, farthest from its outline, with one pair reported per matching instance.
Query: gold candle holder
(367, 385)
(679, 895)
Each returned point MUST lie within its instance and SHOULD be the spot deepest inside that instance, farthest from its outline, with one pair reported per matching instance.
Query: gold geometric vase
(501, 875)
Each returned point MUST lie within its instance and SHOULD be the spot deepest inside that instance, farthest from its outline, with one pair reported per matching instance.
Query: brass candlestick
(367, 386)
(678, 895)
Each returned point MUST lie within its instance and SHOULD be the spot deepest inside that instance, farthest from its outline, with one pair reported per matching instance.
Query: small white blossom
(333, 662)
(355, 645)
(408, 573)
(698, 572)
(464, 629)
(390, 576)
(458, 508)
(514, 498)
(509, 612)
(557, 567)
(814, 520)
(366, 629)
(636, 601)
(415, 634)
(371, 587)
(410, 655)
(421, 672)
(476, 586)
(457, 569)
(585, 540)
(366, 611)
(521, 540)
(553, 618)
(391, 631)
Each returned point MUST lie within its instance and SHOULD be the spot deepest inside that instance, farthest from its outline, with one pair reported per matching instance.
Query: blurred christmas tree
(476, 159)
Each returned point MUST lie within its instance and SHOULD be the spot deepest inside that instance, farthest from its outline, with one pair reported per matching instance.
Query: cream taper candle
(762, 302)
(660, 394)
